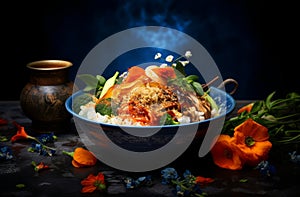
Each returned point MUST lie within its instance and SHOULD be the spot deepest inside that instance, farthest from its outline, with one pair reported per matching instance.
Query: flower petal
(256, 153)
(253, 129)
(224, 154)
(90, 180)
(21, 134)
(88, 189)
(84, 157)
(246, 108)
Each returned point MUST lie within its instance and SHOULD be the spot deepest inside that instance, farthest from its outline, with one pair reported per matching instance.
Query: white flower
(188, 54)
(169, 58)
(157, 56)
(184, 62)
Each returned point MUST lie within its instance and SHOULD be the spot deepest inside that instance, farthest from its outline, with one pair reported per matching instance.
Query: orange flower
(251, 138)
(82, 157)
(92, 183)
(246, 108)
(21, 133)
(225, 154)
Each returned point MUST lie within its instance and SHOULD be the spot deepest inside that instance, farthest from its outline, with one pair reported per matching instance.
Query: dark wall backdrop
(254, 42)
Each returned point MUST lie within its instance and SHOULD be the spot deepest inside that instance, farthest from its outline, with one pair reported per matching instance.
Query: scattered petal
(225, 154)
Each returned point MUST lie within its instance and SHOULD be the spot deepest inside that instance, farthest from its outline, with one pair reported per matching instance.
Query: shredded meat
(149, 102)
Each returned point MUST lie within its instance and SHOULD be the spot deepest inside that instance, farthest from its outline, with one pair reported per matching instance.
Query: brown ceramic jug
(43, 97)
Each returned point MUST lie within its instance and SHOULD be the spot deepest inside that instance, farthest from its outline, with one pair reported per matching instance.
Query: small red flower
(40, 166)
(203, 180)
(92, 183)
(3, 121)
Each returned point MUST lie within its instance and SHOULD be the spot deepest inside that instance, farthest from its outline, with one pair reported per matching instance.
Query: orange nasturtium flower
(21, 133)
(225, 154)
(249, 145)
(82, 157)
(251, 138)
(92, 183)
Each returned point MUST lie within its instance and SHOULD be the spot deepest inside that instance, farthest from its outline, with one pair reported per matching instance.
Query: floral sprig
(37, 146)
(178, 63)
(189, 185)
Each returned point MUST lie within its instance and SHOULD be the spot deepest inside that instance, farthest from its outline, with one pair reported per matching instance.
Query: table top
(64, 180)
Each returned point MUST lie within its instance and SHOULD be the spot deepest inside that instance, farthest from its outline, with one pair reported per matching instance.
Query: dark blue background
(254, 42)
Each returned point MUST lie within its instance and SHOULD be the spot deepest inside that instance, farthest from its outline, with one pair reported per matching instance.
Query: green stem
(289, 140)
(289, 116)
(43, 145)
(71, 154)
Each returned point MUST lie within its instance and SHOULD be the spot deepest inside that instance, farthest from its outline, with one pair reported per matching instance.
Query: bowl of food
(147, 108)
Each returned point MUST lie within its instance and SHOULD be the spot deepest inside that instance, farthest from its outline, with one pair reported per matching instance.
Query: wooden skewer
(210, 82)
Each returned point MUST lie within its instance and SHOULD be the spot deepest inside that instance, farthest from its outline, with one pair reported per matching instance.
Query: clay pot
(43, 97)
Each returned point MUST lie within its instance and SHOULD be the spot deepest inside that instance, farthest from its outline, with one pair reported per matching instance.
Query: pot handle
(228, 81)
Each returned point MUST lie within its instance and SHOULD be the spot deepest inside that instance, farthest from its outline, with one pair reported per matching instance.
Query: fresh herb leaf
(167, 119)
(198, 88)
(104, 107)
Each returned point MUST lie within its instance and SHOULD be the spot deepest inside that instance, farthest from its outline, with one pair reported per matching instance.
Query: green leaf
(212, 102)
(268, 100)
(191, 78)
(20, 185)
(90, 80)
(104, 107)
(101, 80)
(257, 106)
(88, 88)
(243, 180)
(198, 88)
(167, 119)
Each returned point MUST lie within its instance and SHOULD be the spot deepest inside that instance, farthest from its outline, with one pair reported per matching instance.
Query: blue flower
(5, 153)
(265, 168)
(168, 174)
(47, 138)
(131, 183)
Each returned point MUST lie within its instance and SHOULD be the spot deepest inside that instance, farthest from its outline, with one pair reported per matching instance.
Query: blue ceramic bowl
(148, 138)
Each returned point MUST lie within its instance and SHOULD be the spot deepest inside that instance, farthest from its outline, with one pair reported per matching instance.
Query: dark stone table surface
(62, 179)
